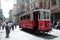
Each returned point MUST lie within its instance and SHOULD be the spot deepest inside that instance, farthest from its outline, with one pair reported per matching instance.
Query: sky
(7, 5)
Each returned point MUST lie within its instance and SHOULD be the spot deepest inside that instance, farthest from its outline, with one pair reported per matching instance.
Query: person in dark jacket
(7, 30)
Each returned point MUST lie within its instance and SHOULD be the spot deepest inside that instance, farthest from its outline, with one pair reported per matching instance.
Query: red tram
(36, 20)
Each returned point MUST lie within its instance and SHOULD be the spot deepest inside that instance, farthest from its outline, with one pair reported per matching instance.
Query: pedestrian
(58, 25)
(7, 30)
(12, 23)
(0, 24)
(54, 24)
(3, 25)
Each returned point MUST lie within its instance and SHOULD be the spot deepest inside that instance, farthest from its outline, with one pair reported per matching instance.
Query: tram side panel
(21, 24)
(47, 25)
(29, 24)
(44, 25)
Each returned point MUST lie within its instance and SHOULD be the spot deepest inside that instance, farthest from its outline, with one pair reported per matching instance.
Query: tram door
(35, 18)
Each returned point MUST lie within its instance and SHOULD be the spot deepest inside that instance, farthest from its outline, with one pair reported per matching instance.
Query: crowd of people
(56, 24)
(8, 26)
(11, 24)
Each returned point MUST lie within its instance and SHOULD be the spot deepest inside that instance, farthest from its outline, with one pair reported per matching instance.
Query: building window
(26, 1)
(59, 2)
(40, 4)
(53, 2)
(34, 5)
(49, 5)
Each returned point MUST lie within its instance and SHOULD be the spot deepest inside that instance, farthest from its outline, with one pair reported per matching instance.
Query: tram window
(41, 15)
(44, 15)
(24, 18)
(47, 15)
(28, 17)
(21, 18)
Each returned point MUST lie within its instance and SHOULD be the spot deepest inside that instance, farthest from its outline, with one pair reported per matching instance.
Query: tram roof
(42, 10)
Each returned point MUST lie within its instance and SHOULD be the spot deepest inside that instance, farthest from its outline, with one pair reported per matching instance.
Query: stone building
(1, 12)
(27, 5)
(10, 15)
(55, 10)
(14, 13)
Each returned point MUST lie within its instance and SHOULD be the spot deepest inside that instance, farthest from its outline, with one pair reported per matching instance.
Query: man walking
(7, 30)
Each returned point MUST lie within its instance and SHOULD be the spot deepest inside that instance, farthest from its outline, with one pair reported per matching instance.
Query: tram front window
(44, 15)
(41, 15)
(47, 15)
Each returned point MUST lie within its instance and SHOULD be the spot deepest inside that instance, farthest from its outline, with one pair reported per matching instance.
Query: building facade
(18, 9)
(52, 5)
(55, 10)
(1, 12)
(24, 6)
(10, 15)
(14, 12)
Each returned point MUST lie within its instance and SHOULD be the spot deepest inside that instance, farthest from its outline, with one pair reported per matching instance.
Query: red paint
(28, 24)
(42, 25)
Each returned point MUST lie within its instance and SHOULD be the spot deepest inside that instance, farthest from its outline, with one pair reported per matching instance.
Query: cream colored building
(1, 12)
(10, 15)
(52, 5)
(55, 9)
(27, 5)
(14, 13)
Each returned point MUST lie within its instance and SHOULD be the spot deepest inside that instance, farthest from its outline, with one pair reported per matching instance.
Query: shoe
(6, 37)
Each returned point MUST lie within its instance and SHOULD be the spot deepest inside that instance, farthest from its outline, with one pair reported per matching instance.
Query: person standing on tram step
(7, 30)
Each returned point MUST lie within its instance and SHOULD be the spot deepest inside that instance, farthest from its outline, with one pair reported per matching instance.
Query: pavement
(19, 34)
